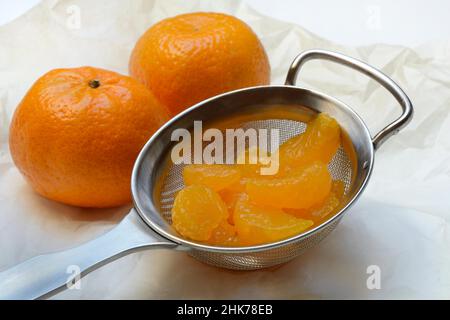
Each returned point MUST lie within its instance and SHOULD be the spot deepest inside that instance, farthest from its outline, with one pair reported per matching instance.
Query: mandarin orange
(191, 57)
(77, 132)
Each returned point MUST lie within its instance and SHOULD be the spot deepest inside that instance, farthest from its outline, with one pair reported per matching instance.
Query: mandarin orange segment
(214, 176)
(224, 235)
(250, 162)
(302, 189)
(256, 225)
(321, 211)
(197, 211)
(230, 197)
(319, 142)
(331, 203)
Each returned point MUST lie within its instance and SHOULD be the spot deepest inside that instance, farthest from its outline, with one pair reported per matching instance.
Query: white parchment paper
(401, 224)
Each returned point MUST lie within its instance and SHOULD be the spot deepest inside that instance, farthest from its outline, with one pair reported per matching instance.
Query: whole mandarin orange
(191, 57)
(77, 132)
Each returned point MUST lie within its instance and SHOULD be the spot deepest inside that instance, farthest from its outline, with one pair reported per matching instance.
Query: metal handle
(46, 275)
(373, 73)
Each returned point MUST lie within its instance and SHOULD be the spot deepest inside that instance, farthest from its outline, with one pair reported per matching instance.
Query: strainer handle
(392, 128)
(48, 274)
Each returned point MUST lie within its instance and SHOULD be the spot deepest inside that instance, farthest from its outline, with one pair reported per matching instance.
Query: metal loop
(401, 97)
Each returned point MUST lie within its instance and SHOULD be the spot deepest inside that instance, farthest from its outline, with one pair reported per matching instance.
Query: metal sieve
(154, 184)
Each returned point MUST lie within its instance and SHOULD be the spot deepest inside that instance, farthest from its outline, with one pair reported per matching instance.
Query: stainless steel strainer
(154, 185)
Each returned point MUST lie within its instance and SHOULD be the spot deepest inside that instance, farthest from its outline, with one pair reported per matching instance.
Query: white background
(351, 22)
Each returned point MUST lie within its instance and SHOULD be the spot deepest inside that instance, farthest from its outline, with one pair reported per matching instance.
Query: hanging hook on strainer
(154, 185)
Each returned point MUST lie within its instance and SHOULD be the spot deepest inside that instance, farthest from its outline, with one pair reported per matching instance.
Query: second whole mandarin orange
(188, 58)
